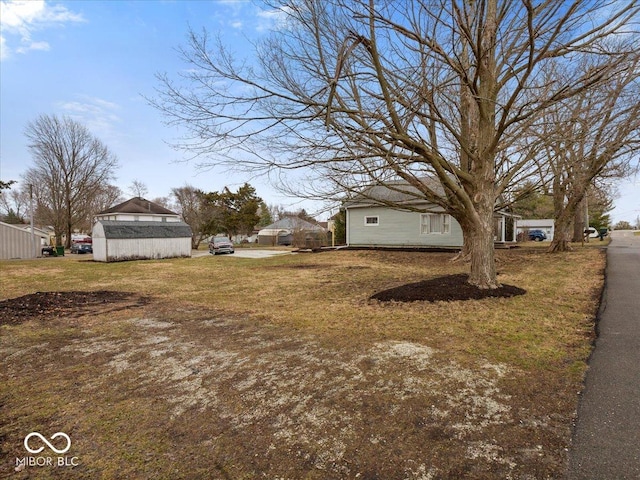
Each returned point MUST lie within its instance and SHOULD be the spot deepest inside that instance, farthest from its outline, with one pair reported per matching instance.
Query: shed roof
(123, 229)
(139, 205)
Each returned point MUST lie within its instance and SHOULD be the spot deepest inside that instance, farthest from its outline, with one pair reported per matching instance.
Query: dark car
(537, 235)
(81, 248)
(220, 245)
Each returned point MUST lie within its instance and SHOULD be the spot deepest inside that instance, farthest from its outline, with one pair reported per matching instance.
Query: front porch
(504, 230)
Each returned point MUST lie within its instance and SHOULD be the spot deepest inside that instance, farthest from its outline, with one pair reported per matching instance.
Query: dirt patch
(261, 402)
(448, 288)
(14, 311)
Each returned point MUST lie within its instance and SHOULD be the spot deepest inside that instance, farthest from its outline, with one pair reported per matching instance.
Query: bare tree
(163, 202)
(276, 211)
(71, 168)
(360, 93)
(193, 211)
(105, 197)
(595, 136)
(138, 188)
(14, 204)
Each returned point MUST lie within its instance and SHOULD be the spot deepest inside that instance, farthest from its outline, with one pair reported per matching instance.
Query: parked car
(537, 235)
(81, 248)
(220, 245)
(592, 232)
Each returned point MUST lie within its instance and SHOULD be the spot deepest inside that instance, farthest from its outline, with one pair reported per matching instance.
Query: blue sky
(95, 60)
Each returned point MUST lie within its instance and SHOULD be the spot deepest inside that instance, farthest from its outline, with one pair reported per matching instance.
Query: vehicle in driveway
(81, 248)
(220, 245)
(537, 235)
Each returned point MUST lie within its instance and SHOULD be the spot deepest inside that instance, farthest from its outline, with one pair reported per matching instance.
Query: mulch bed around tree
(65, 304)
(448, 288)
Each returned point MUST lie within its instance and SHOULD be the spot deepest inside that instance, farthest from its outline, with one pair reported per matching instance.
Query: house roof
(123, 229)
(293, 223)
(398, 192)
(138, 205)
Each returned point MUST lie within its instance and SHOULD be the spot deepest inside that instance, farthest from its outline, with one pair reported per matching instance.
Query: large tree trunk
(563, 232)
(579, 224)
(564, 219)
(478, 234)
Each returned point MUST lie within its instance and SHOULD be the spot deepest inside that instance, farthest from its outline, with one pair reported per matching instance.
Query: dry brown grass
(283, 368)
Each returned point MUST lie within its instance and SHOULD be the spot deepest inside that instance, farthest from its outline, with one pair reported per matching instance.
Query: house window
(371, 221)
(435, 223)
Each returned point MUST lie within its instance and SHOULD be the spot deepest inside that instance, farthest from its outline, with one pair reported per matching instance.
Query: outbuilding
(547, 225)
(139, 229)
(292, 230)
(17, 241)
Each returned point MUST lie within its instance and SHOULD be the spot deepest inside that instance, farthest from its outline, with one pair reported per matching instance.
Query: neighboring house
(293, 231)
(373, 222)
(16, 241)
(545, 224)
(138, 209)
(139, 229)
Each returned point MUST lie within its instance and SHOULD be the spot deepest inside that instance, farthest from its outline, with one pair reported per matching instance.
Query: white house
(139, 229)
(374, 220)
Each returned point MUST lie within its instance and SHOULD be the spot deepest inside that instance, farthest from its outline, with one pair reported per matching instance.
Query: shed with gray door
(120, 240)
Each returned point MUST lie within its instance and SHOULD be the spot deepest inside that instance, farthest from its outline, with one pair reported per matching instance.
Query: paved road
(606, 440)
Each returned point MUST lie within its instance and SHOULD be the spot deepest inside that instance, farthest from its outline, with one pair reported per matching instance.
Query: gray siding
(17, 243)
(395, 228)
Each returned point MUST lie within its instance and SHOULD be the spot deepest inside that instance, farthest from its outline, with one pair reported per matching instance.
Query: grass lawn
(231, 368)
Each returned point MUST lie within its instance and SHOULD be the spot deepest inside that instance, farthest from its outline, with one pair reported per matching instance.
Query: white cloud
(275, 19)
(43, 46)
(98, 115)
(21, 18)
